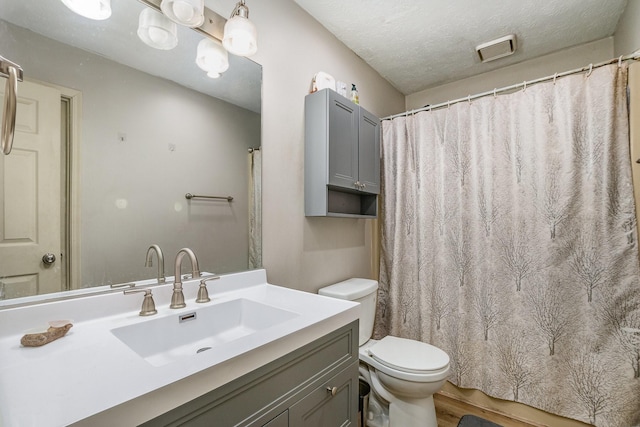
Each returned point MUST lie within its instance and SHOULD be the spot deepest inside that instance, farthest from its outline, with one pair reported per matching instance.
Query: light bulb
(241, 42)
(158, 35)
(156, 30)
(212, 58)
(240, 36)
(189, 13)
(183, 11)
(92, 9)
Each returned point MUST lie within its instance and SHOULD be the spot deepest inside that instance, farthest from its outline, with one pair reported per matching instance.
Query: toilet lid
(409, 355)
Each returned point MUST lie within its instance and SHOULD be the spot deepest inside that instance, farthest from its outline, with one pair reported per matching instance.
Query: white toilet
(403, 374)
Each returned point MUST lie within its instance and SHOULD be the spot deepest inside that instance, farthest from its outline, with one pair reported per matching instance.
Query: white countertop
(89, 377)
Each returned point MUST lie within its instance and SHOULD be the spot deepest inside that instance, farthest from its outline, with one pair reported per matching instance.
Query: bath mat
(473, 421)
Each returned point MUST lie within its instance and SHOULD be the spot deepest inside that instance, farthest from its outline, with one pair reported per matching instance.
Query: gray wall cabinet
(342, 157)
(314, 386)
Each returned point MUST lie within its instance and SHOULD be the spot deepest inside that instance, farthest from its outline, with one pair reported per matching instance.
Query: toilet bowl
(403, 374)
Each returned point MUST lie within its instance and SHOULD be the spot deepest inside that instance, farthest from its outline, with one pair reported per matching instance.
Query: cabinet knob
(332, 390)
(359, 185)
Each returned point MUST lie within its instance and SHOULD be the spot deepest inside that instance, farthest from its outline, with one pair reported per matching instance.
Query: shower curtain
(255, 209)
(509, 240)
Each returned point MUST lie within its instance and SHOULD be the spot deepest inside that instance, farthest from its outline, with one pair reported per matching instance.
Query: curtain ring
(555, 76)
(524, 86)
(495, 95)
(448, 103)
(469, 99)
(620, 61)
(590, 69)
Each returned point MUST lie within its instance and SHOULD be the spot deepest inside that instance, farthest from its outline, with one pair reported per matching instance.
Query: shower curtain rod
(632, 57)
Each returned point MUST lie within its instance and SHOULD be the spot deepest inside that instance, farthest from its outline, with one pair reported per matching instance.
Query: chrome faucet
(149, 261)
(203, 294)
(148, 306)
(177, 299)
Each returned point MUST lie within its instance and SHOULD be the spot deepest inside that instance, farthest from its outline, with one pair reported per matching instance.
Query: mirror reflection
(111, 135)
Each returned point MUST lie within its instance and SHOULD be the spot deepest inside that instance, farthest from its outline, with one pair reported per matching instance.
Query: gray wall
(627, 36)
(299, 252)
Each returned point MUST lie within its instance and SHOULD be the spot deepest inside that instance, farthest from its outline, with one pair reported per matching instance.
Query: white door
(30, 196)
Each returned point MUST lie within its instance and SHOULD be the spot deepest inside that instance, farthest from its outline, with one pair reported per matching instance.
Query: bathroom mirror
(133, 129)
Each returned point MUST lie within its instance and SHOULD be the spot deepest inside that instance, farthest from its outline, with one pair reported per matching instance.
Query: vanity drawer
(322, 408)
(256, 398)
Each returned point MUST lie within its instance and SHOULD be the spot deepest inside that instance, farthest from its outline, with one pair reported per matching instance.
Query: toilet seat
(407, 359)
(409, 355)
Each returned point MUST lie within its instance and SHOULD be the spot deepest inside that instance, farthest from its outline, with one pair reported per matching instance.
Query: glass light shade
(156, 30)
(240, 36)
(212, 58)
(92, 9)
(189, 13)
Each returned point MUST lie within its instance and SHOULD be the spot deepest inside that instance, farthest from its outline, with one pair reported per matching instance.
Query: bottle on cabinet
(355, 98)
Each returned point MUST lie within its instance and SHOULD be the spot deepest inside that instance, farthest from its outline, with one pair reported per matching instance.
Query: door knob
(48, 259)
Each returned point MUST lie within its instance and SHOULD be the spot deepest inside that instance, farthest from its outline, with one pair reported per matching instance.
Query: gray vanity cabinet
(324, 407)
(342, 157)
(316, 385)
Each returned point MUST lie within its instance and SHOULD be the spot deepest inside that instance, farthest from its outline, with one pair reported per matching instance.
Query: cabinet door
(343, 141)
(369, 152)
(321, 408)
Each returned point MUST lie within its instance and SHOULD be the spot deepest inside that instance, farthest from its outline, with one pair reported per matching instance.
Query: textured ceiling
(417, 44)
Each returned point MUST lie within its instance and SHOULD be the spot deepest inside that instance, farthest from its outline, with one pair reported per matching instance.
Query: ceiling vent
(498, 48)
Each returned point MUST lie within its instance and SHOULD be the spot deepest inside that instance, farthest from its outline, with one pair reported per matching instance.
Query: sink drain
(200, 350)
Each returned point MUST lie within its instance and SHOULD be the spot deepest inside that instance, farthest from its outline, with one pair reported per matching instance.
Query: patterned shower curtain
(509, 240)
(255, 209)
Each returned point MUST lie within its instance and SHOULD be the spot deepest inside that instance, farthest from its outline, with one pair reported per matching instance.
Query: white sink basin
(146, 360)
(175, 337)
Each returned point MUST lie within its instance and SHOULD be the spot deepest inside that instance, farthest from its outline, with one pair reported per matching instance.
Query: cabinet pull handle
(332, 390)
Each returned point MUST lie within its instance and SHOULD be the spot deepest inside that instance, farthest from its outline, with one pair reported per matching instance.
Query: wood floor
(449, 411)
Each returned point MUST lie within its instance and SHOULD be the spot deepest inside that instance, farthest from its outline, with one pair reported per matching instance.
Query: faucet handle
(148, 306)
(203, 294)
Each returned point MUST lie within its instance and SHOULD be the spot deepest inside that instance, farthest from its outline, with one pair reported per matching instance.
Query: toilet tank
(364, 291)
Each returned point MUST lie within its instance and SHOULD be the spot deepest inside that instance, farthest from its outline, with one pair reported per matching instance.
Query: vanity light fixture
(92, 9)
(189, 13)
(240, 35)
(212, 58)
(156, 30)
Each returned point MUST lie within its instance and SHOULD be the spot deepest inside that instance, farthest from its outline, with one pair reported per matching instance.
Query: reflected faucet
(149, 261)
(177, 299)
